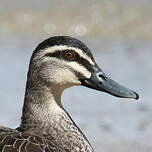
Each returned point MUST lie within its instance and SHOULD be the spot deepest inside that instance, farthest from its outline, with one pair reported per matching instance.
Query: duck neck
(44, 114)
(41, 103)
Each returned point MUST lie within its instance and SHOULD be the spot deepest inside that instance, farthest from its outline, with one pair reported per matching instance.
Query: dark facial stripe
(80, 60)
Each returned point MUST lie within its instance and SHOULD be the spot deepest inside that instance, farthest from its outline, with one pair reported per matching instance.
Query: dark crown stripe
(63, 40)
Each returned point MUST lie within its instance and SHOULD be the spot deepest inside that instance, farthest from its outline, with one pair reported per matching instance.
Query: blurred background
(118, 32)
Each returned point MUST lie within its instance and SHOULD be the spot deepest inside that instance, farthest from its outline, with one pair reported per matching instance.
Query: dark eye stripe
(56, 54)
(82, 61)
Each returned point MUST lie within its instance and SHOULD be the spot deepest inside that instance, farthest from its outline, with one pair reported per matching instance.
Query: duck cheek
(65, 78)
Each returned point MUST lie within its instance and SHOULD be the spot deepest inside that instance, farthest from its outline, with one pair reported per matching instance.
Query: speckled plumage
(61, 136)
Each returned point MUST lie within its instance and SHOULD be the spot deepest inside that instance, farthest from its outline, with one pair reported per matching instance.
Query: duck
(57, 63)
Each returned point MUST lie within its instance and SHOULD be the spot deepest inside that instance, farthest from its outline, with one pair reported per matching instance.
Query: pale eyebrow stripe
(64, 47)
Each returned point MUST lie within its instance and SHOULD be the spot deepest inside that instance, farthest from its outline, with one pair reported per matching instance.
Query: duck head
(64, 61)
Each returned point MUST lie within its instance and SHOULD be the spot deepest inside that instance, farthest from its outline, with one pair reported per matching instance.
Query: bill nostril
(102, 76)
(100, 82)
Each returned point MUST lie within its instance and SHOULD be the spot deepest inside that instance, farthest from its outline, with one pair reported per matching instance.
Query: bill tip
(137, 95)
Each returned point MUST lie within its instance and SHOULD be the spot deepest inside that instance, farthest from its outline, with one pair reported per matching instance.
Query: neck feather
(41, 103)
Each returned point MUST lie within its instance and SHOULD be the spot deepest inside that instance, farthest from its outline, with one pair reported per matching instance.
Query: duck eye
(70, 55)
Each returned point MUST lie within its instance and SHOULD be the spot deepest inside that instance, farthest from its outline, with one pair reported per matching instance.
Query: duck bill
(100, 81)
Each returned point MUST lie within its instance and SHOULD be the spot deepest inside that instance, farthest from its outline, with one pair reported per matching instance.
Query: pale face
(61, 65)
